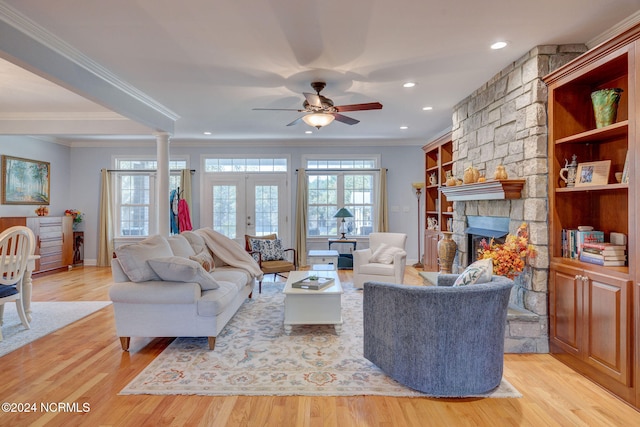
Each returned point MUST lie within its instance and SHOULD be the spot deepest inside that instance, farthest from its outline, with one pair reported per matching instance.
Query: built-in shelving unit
(438, 156)
(592, 324)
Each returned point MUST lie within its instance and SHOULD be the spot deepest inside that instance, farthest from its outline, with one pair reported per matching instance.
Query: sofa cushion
(180, 246)
(270, 249)
(178, 269)
(237, 276)
(133, 257)
(384, 254)
(205, 259)
(480, 271)
(155, 292)
(215, 301)
(195, 240)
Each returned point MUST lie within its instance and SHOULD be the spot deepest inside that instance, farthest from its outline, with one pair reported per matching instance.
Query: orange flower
(509, 258)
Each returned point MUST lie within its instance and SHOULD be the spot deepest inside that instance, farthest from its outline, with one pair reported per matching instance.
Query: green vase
(605, 106)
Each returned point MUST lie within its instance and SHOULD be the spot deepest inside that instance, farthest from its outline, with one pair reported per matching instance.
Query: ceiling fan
(321, 110)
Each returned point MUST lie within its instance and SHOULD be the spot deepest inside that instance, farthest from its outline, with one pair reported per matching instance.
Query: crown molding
(619, 28)
(39, 34)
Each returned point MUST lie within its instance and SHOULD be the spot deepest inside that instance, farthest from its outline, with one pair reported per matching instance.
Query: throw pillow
(384, 254)
(247, 239)
(133, 257)
(178, 269)
(205, 259)
(180, 246)
(480, 271)
(270, 250)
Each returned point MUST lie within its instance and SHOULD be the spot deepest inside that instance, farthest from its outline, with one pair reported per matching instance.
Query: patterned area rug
(253, 356)
(47, 317)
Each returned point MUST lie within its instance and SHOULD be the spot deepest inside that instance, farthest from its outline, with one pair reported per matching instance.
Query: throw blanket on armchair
(230, 251)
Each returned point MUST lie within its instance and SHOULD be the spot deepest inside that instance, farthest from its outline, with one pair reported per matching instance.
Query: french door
(236, 204)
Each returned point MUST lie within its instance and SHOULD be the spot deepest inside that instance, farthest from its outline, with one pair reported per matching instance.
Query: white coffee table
(307, 307)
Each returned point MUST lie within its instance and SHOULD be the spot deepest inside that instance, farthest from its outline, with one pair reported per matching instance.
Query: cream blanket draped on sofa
(229, 251)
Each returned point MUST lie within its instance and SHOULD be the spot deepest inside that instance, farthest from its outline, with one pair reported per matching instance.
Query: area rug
(253, 356)
(47, 317)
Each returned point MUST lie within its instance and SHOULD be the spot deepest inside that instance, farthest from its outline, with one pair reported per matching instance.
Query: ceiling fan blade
(313, 99)
(345, 119)
(296, 121)
(279, 109)
(359, 107)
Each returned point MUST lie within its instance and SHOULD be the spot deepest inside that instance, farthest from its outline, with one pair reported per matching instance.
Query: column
(162, 185)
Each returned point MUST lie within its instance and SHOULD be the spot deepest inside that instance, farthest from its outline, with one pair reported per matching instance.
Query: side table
(345, 261)
(323, 258)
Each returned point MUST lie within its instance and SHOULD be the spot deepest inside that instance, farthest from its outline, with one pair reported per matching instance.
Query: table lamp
(343, 213)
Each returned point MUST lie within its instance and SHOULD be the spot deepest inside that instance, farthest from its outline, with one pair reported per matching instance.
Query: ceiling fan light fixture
(318, 120)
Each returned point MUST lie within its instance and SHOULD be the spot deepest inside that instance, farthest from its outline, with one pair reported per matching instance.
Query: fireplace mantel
(495, 189)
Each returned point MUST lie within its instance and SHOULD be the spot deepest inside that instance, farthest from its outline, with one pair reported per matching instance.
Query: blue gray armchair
(441, 340)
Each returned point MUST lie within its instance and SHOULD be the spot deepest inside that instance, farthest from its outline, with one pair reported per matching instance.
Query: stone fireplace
(504, 122)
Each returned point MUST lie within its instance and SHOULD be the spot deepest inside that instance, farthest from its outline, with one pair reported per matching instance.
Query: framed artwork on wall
(25, 182)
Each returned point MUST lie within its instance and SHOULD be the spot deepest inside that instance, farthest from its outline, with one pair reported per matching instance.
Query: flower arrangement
(76, 214)
(509, 258)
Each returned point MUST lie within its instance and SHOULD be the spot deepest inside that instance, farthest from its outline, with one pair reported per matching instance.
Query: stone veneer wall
(505, 122)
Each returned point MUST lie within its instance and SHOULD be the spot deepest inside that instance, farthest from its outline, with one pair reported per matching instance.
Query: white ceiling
(209, 63)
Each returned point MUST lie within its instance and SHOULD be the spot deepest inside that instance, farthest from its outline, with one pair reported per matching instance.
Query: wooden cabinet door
(565, 309)
(607, 325)
(431, 251)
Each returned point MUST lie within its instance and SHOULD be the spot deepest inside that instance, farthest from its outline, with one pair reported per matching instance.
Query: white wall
(76, 177)
(60, 169)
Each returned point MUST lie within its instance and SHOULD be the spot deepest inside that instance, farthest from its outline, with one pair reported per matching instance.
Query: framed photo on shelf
(24, 181)
(593, 173)
(625, 170)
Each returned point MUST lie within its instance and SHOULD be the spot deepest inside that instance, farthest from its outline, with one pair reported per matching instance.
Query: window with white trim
(135, 194)
(341, 183)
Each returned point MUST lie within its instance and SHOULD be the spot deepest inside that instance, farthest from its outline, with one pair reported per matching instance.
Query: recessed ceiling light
(427, 108)
(308, 131)
(498, 45)
(404, 127)
(207, 133)
(409, 84)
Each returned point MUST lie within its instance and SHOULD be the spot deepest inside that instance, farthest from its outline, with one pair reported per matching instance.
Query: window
(135, 194)
(341, 183)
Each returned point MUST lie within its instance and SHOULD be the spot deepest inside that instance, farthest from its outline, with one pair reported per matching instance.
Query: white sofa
(193, 303)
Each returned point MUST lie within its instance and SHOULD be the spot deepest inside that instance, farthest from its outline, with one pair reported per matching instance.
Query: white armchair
(383, 261)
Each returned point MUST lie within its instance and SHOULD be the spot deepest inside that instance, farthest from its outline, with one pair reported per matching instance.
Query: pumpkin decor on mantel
(471, 175)
(501, 172)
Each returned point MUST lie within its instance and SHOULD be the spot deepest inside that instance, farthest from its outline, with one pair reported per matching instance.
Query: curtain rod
(145, 170)
(344, 170)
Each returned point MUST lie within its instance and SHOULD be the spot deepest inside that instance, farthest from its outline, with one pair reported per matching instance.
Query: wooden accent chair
(16, 244)
(270, 255)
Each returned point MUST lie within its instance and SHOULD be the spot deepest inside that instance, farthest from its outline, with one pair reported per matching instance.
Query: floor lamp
(418, 186)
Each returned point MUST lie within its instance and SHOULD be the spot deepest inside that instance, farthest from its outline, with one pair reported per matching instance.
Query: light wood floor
(83, 363)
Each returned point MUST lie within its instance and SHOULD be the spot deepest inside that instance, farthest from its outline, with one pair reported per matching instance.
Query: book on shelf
(606, 252)
(313, 283)
(605, 246)
(586, 257)
(573, 240)
(583, 237)
(606, 257)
